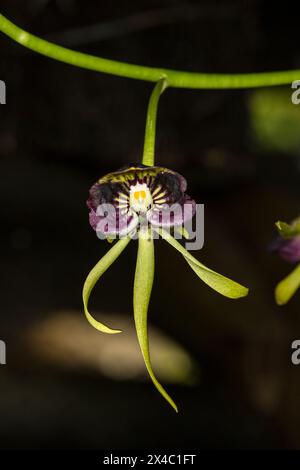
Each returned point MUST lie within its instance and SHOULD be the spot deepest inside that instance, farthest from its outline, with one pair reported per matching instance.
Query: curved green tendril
(143, 282)
(105, 262)
(175, 78)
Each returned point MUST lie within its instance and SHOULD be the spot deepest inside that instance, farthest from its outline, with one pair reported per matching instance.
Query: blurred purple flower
(289, 249)
(287, 244)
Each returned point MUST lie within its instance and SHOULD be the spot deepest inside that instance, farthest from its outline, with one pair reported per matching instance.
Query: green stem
(149, 142)
(175, 78)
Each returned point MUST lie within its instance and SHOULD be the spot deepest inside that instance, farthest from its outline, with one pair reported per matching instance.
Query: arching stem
(175, 78)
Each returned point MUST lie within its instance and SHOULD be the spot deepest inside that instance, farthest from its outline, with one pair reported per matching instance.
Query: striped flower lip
(123, 201)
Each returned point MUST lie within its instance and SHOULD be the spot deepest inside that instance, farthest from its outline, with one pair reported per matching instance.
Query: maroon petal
(111, 221)
(170, 215)
(168, 187)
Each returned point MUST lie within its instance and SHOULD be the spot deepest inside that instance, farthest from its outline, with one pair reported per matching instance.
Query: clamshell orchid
(134, 203)
(122, 201)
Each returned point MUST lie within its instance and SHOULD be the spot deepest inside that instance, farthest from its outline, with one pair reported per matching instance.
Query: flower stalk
(150, 131)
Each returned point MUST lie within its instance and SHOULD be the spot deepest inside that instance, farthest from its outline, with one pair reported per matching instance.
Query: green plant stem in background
(149, 142)
(175, 78)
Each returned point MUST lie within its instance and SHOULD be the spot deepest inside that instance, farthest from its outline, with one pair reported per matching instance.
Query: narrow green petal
(105, 262)
(216, 281)
(219, 283)
(287, 287)
(182, 231)
(143, 282)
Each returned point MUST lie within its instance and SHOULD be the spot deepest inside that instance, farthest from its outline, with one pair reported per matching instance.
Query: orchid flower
(137, 199)
(288, 247)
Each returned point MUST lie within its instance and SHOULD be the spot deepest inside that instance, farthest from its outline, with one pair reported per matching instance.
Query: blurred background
(226, 363)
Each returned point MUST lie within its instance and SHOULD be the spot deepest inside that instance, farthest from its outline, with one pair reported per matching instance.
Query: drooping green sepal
(216, 281)
(105, 262)
(143, 282)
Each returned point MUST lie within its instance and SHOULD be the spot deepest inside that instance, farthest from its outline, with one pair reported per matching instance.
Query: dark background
(61, 129)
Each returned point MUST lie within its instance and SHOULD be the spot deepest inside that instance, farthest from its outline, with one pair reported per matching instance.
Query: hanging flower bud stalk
(288, 247)
(136, 200)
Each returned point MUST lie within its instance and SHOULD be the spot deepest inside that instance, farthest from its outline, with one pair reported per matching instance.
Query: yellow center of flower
(140, 197)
